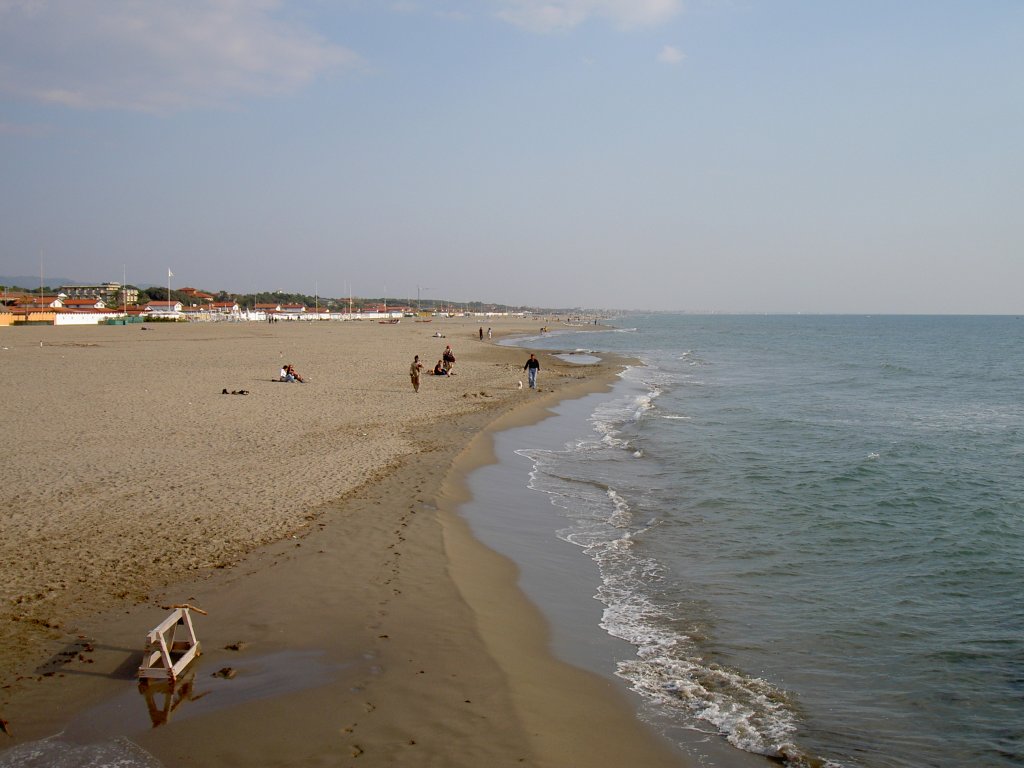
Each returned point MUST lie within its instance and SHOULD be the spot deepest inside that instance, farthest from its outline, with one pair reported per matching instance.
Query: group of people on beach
(447, 362)
(289, 374)
(443, 368)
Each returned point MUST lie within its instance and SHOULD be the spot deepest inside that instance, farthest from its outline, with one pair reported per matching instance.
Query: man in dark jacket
(531, 368)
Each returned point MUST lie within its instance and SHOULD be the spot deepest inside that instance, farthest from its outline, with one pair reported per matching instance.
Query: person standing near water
(531, 368)
(414, 373)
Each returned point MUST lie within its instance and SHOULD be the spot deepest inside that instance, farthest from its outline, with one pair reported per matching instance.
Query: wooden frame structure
(167, 654)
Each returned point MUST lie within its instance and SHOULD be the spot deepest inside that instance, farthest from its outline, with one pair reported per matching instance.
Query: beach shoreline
(407, 662)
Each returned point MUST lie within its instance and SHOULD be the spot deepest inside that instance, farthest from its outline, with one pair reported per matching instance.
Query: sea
(788, 537)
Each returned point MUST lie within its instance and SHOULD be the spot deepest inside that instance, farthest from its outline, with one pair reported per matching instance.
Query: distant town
(116, 304)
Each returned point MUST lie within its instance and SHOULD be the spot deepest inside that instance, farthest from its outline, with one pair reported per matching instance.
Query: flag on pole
(169, 273)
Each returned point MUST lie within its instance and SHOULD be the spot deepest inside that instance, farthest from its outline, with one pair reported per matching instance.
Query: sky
(857, 156)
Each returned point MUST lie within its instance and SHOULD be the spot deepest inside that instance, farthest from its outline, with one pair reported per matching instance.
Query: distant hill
(32, 283)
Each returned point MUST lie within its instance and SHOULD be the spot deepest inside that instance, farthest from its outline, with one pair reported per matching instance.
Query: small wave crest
(749, 712)
(692, 358)
(610, 418)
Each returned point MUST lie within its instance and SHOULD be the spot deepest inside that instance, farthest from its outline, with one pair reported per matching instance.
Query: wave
(668, 670)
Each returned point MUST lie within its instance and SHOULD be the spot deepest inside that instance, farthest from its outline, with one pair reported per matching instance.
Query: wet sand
(316, 523)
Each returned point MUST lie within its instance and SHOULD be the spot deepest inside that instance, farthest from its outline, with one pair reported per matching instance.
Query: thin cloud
(552, 15)
(157, 56)
(23, 129)
(671, 55)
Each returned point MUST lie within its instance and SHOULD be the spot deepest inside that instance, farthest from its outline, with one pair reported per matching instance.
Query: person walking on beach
(414, 373)
(531, 368)
(448, 358)
(481, 333)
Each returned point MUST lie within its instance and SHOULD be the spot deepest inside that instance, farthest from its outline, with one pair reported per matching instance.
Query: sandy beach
(317, 524)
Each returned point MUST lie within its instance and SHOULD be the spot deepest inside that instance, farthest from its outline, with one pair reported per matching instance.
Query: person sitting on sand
(284, 374)
(295, 376)
(439, 369)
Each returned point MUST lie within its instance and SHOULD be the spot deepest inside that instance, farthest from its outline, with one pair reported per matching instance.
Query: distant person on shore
(488, 333)
(481, 333)
(414, 373)
(448, 359)
(292, 375)
(531, 368)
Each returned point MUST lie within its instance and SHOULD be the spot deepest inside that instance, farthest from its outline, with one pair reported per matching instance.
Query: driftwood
(190, 607)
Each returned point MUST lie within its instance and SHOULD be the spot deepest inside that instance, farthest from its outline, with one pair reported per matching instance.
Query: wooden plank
(162, 645)
(167, 623)
(184, 661)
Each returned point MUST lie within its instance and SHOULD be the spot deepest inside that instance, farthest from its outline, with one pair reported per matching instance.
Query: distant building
(229, 308)
(85, 304)
(166, 309)
(197, 312)
(30, 301)
(196, 295)
(109, 293)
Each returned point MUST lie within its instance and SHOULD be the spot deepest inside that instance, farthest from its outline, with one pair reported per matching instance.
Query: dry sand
(317, 524)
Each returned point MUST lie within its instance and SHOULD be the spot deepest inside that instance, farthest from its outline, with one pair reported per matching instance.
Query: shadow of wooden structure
(163, 697)
(170, 646)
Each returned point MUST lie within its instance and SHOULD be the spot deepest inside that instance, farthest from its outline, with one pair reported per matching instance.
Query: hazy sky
(783, 155)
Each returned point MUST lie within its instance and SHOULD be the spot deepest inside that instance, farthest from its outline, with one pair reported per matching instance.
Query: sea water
(805, 534)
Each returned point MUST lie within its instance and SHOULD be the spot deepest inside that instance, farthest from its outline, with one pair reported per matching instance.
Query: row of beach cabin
(57, 310)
